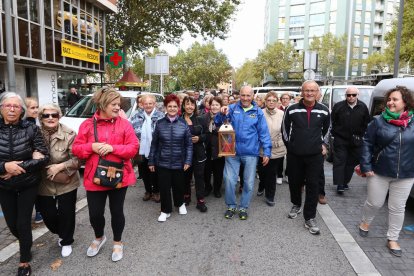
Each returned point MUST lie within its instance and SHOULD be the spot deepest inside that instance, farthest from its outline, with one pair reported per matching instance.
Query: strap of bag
(95, 131)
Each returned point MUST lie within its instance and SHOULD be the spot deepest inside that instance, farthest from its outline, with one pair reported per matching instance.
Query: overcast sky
(244, 39)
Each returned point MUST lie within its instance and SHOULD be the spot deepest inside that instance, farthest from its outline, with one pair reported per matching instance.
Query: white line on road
(360, 262)
(13, 248)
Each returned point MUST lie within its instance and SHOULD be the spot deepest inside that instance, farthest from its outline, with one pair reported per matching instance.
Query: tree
(276, 60)
(141, 24)
(200, 66)
(407, 36)
(376, 61)
(331, 53)
(248, 74)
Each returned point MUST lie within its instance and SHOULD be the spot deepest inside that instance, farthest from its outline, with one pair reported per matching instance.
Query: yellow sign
(76, 52)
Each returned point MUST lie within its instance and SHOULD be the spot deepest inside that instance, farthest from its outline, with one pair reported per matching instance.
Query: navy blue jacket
(171, 145)
(388, 150)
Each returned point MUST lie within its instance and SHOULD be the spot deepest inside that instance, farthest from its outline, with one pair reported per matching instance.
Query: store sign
(76, 51)
(47, 87)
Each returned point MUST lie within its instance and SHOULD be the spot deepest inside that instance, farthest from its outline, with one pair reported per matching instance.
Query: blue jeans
(231, 173)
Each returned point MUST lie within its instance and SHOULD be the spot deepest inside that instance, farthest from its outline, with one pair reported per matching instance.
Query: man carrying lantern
(251, 133)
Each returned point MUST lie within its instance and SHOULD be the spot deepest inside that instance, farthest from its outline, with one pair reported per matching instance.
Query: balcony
(377, 43)
(379, 7)
(377, 32)
(379, 19)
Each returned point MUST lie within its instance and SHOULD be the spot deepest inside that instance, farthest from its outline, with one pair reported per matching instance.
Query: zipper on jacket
(399, 155)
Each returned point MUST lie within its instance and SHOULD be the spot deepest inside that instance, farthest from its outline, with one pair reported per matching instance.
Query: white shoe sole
(93, 252)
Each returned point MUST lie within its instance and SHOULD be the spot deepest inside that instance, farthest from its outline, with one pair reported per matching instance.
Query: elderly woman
(60, 180)
(23, 154)
(109, 141)
(387, 161)
(171, 155)
(205, 107)
(198, 130)
(274, 117)
(144, 122)
(260, 102)
(214, 164)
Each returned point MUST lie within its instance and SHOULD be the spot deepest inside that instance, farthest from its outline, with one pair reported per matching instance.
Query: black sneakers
(24, 270)
(229, 214)
(312, 227)
(243, 214)
(294, 212)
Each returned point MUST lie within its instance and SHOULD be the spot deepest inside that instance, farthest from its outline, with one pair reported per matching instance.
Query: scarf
(211, 124)
(47, 134)
(271, 112)
(400, 120)
(146, 135)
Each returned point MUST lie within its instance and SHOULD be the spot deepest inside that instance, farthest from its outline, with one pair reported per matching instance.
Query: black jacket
(347, 121)
(301, 137)
(171, 145)
(388, 150)
(73, 98)
(212, 143)
(17, 143)
(199, 129)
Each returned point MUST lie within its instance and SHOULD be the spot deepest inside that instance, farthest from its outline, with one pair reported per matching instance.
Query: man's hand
(371, 173)
(37, 155)
(13, 168)
(6, 176)
(186, 166)
(324, 149)
(224, 110)
(195, 139)
(265, 160)
(151, 168)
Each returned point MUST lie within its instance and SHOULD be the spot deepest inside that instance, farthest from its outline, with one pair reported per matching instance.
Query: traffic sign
(309, 75)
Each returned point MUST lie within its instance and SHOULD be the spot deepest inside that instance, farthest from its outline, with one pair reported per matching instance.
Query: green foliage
(141, 24)
(248, 74)
(276, 59)
(407, 35)
(331, 53)
(377, 61)
(200, 66)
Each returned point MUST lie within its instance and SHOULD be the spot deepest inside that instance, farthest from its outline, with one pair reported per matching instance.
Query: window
(297, 20)
(296, 31)
(281, 11)
(317, 7)
(332, 17)
(299, 44)
(367, 29)
(334, 5)
(357, 28)
(317, 19)
(282, 22)
(332, 28)
(281, 34)
(355, 53)
(368, 5)
(367, 17)
(358, 16)
(297, 10)
(356, 40)
(316, 31)
(358, 5)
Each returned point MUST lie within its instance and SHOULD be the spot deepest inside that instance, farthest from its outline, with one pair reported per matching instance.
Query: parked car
(85, 108)
(334, 94)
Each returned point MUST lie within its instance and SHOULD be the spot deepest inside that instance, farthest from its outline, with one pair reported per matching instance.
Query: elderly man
(144, 122)
(350, 119)
(304, 125)
(251, 129)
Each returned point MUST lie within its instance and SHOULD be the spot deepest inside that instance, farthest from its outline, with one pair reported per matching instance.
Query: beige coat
(274, 123)
(61, 151)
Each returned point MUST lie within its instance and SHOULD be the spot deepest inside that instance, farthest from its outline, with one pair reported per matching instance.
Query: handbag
(108, 173)
(62, 178)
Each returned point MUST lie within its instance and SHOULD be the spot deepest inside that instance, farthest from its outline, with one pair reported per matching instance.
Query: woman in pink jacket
(117, 142)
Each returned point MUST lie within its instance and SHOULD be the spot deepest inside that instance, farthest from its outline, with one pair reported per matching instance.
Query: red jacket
(117, 132)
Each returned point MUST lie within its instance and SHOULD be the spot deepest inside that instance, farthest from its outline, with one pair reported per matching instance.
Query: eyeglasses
(310, 91)
(285, 99)
(351, 95)
(53, 115)
(10, 106)
(271, 101)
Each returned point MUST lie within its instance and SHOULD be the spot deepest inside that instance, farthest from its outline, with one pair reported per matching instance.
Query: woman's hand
(371, 173)
(102, 149)
(13, 168)
(151, 168)
(54, 169)
(195, 139)
(224, 110)
(186, 166)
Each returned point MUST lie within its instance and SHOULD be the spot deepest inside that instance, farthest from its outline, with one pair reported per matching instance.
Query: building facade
(56, 43)
(299, 21)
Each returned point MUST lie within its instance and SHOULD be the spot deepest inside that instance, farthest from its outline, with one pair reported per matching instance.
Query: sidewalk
(348, 208)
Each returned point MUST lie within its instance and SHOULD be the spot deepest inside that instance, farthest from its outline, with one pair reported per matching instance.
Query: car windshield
(338, 95)
(85, 108)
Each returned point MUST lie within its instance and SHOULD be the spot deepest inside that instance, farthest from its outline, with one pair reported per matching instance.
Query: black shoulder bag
(108, 173)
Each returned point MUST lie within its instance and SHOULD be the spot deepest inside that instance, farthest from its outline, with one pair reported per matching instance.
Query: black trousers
(17, 207)
(322, 183)
(96, 205)
(198, 170)
(59, 214)
(215, 167)
(280, 169)
(170, 179)
(300, 168)
(344, 161)
(149, 178)
(267, 176)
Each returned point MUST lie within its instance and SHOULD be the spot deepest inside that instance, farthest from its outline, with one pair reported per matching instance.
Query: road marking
(359, 261)
(13, 248)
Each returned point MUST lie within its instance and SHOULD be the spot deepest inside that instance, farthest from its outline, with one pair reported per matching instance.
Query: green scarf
(396, 118)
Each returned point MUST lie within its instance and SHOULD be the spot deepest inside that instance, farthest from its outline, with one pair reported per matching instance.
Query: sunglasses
(53, 115)
(351, 95)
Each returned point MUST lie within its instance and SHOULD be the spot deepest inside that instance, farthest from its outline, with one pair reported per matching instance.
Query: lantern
(227, 140)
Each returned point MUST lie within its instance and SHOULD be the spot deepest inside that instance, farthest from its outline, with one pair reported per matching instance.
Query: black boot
(201, 205)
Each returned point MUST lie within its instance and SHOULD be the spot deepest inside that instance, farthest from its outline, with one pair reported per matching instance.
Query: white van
(333, 94)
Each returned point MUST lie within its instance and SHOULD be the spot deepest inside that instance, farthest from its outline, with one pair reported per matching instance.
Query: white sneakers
(182, 210)
(93, 251)
(279, 181)
(118, 252)
(163, 217)
(66, 250)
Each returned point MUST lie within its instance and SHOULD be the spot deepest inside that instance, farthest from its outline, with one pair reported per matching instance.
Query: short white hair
(8, 95)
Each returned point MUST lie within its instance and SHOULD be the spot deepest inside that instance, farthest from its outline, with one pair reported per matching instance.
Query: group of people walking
(40, 163)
